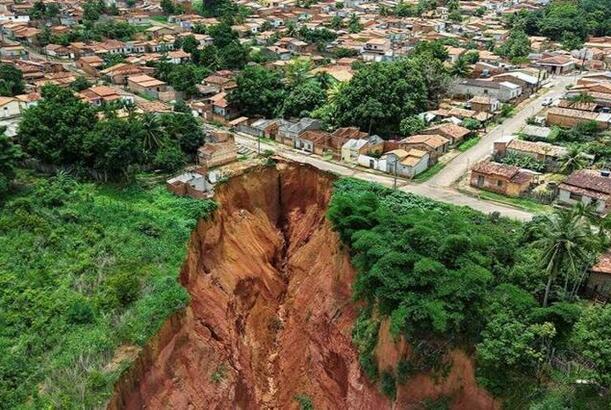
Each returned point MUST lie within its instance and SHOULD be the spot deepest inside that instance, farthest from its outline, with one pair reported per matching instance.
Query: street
(446, 195)
(459, 166)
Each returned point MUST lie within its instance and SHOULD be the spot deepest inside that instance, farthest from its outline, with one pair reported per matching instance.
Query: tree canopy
(449, 276)
(62, 130)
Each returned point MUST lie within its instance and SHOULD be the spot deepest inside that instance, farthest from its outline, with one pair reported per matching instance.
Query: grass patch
(160, 19)
(429, 173)
(468, 143)
(523, 203)
(84, 268)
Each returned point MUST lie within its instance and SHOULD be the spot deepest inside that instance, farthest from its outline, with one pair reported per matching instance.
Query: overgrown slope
(440, 278)
(84, 269)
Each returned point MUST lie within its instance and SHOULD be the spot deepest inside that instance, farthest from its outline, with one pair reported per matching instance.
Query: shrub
(80, 312)
(388, 385)
(305, 402)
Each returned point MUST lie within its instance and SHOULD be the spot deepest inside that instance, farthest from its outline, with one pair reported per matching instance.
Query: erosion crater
(271, 313)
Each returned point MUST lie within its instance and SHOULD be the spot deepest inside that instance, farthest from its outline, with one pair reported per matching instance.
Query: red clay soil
(271, 314)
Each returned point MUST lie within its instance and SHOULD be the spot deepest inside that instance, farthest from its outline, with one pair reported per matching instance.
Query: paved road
(438, 193)
(459, 166)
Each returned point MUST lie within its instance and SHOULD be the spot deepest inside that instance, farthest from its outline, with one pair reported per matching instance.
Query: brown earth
(271, 313)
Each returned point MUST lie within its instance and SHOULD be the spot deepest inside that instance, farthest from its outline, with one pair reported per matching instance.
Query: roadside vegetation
(583, 138)
(452, 277)
(84, 269)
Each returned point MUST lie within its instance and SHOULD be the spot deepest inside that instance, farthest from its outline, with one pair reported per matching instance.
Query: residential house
(376, 49)
(313, 141)
(221, 109)
(101, 94)
(352, 149)
(503, 91)
(529, 83)
(567, 117)
(220, 151)
(484, 103)
(547, 153)
(191, 183)
(587, 187)
(10, 107)
(90, 64)
(561, 64)
(119, 73)
(503, 179)
(13, 52)
(406, 163)
(536, 132)
(147, 85)
(599, 281)
(455, 133)
(288, 131)
(434, 144)
(261, 128)
(178, 57)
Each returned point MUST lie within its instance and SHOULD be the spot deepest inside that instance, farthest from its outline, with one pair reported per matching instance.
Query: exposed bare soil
(271, 313)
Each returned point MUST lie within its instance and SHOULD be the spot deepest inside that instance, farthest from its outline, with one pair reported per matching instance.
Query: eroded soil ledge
(271, 313)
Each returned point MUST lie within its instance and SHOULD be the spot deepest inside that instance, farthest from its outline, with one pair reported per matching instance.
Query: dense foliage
(449, 276)
(562, 18)
(381, 95)
(11, 81)
(294, 92)
(84, 269)
(10, 154)
(64, 131)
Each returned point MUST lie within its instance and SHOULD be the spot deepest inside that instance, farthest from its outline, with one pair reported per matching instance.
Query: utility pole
(258, 145)
(394, 185)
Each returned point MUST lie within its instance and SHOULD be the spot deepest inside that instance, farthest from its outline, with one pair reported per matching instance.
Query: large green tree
(11, 81)
(303, 99)
(380, 95)
(10, 154)
(259, 91)
(54, 129)
(115, 145)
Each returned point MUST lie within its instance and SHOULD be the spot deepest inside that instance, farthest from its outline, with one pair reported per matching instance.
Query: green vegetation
(11, 81)
(305, 402)
(522, 203)
(516, 46)
(447, 277)
(377, 99)
(562, 19)
(468, 143)
(84, 269)
(219, 374)
(381, 95)
(583, 138)
(523, 161)
(429, 173)
(64, 131)
(10, 154)
(269, 93)
(411, 125)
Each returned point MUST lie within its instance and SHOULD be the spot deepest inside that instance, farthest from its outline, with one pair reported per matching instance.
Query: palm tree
(581, 98)
(298, 71)
(566, 236)
(460, 68)
(291, 29)
(153, 132)
(573, 160)
(334, 91)
(324, 79)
